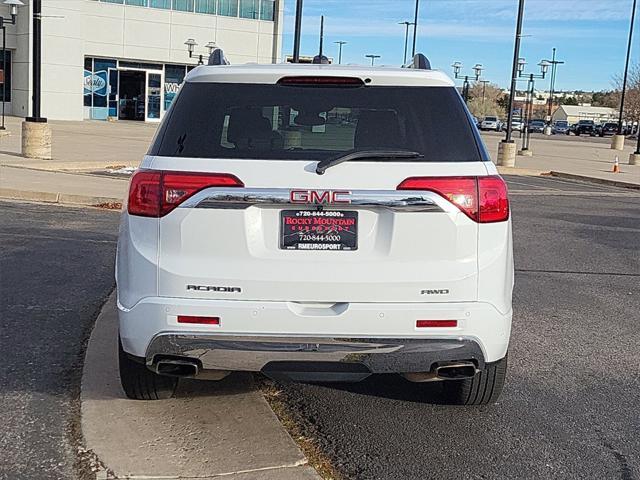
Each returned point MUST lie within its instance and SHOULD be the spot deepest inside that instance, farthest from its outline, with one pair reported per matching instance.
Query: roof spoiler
(420, 61)
(217, 57)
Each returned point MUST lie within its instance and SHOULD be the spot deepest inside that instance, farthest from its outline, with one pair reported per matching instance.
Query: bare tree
(631, 111)
(484, 99)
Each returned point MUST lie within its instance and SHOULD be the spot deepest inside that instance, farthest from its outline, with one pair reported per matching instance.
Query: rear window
(491, 119)
(284, 122)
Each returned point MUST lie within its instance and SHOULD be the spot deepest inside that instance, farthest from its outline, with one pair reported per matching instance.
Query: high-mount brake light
(154, 193)
(482, 199)
(310, 80)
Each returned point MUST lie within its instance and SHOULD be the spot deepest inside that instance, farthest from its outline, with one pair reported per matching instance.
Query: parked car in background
(491, 123)
(516, 125)
(537, 126)
(560, 127)
(585, 127)
(607, 129)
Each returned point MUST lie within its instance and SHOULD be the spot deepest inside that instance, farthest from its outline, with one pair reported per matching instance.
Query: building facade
(575, 113)
(125, 59)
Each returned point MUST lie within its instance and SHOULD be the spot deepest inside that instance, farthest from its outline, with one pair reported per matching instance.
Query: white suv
(316, 222)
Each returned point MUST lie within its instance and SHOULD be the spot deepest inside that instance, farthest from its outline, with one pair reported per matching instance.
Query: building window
(166, 4)
(137, 3)
(206, 6)
(249, 9)
(182, 5)
(173, 77)
(267, 10)
(228, 8)
(88, 70)
(113, 1)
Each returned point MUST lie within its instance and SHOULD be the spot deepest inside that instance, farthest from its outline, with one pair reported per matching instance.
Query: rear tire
(483, 389)
(140, 383)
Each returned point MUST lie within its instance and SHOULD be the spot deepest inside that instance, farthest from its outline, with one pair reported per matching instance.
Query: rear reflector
(436, 323)
(338, 81)
(199, 320)
(482, 199)
(154, 193)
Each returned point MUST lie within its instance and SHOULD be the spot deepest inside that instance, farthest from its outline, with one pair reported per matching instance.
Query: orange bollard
(616, 166)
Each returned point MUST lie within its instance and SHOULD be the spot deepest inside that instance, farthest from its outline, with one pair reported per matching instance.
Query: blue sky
(590, 35)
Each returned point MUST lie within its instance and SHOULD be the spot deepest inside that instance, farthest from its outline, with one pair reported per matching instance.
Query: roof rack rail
(217, 57)
(420, 62)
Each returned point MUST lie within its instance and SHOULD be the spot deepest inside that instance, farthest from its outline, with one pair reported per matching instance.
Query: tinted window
(247, 121)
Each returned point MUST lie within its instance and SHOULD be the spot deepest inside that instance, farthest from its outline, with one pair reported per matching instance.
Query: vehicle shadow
(392, 387)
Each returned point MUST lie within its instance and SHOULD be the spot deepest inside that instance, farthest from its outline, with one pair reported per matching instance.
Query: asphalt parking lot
(564, 138)
(570, 404)
(569, 409)
(56, 270)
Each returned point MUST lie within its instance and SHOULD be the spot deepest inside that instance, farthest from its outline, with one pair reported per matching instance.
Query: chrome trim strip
(240, 198)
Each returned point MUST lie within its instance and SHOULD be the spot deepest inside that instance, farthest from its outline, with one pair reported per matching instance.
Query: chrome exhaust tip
(177, 368)
(456, 371)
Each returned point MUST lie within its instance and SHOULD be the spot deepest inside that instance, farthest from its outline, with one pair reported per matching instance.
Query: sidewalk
(582, 158)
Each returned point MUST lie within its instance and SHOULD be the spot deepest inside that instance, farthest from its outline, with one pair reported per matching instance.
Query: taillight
(155, 193)
(199, 320)
(482, 199)
(494, 199)
(436, 323)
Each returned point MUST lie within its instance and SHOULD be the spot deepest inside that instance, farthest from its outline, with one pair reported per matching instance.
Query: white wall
(73, 29)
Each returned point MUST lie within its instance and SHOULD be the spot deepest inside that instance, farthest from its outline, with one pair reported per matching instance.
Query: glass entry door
(154, 97)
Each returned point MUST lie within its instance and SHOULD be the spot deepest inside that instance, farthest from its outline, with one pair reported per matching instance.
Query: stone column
(507, 154)
(617, 142)
(634, 159)
(36, 140)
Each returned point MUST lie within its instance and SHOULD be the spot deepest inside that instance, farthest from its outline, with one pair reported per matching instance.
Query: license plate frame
(319, 230)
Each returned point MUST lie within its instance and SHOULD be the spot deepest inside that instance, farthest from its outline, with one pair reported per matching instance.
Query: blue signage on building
(95, 83)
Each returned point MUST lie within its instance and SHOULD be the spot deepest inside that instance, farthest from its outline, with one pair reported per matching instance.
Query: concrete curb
(528, 172)
(60, 198)
(601, 181)
(211, 429)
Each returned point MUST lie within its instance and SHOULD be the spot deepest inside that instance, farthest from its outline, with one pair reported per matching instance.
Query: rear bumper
(346, 355)
(252, 334)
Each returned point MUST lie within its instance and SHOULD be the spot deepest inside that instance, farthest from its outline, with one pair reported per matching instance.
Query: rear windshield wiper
(364, 154)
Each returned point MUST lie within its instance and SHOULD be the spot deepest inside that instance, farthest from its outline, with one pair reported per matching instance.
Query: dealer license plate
(318, 230)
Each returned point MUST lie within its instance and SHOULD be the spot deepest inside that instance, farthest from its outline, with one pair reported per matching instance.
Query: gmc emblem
(320, 196)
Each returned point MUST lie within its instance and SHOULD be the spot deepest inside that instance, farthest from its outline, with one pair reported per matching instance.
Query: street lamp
(544, 68)
(617, 142)
(14, 4)
(477, 70)
(406, 38)
(192, 44)
(373, 58)
(340, 43)
(211, 46)
(297, 32)
(554, 63)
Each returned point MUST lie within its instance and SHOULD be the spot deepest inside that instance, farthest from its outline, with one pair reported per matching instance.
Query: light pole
(296, 34)
(484, 87)
(340, 43)
(617, 141)
(14, 4)
(477, 69)
(554, 64)
(415, 29)
(544, 68)
(406, 38)
(373, 58)
(36, 132)
(507, 149)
